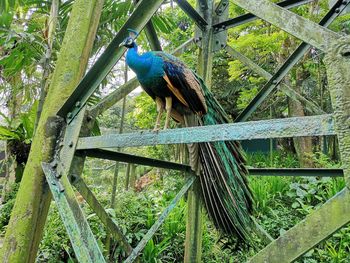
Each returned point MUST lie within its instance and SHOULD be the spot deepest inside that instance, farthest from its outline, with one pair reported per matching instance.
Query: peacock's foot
(156, 128)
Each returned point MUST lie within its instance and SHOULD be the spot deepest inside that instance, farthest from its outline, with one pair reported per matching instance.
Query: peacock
(221, 165)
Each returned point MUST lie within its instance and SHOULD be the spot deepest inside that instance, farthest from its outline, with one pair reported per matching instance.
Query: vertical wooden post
(132, 176)
(121, 128)
(115, 181)
(194, 231)
(338, 67)
(127, 177)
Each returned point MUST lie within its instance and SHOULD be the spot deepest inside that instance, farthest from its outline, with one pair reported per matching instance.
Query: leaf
(96, 129)
(301, 193)
(111, 212)
(28, 120)
(295, 205)
(7, 134)
(90, 216)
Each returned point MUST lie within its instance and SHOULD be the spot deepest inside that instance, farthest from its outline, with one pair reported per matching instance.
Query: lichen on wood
(337, 62)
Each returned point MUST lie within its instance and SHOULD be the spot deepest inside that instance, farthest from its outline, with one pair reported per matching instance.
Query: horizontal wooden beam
(135, 159)
(275, 128)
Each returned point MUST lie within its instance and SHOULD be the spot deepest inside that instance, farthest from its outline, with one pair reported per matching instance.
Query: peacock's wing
(183, 83)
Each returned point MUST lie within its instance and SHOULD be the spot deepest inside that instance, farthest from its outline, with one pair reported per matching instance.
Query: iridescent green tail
(226, 194)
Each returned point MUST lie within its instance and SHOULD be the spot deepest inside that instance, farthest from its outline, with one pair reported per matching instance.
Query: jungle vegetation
(30, 43)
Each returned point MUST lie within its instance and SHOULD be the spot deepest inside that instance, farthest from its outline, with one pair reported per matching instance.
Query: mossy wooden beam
(302, 28)
(114, 97)
(33, 198)
(83, 241)
(243, 19)
(151, 35)
(316, 227)
(182, 48)
(274, 128)
(194, 228)
(337, 62)
(249, 63)
(193, 14)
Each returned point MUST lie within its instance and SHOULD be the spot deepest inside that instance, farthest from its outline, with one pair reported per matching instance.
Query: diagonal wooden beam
(242, 19)
(316, 227)
(151, 35)
(182, 48)
(309, 105)
(83, 241)
(114, 97)
(192, 13)
(302, 28)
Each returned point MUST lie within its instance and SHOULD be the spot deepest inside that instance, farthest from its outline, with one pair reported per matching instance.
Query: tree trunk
(303, 145)
(29, 214)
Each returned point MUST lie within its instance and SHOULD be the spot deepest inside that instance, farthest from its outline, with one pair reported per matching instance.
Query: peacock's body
(182, 93)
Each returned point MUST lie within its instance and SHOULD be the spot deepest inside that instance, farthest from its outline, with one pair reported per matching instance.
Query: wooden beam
(338, 67)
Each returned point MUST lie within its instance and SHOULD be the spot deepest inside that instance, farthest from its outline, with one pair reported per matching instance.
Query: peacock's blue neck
(146, 66)
(138, 63)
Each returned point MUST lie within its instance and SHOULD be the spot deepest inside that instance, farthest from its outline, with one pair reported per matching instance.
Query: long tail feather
(225, 189)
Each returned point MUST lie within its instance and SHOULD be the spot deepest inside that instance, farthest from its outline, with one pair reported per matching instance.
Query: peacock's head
(129, 42)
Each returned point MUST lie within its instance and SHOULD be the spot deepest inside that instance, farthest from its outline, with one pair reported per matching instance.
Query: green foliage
(55, 245)
(5, 213)
(20, 129)
(278, 159)
(6, 207)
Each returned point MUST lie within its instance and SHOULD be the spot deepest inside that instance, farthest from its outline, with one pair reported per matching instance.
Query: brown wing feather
(185, 86)
(195, 85)
(175, 91)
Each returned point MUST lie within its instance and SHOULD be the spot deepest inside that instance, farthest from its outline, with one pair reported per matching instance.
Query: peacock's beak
(122, 44)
